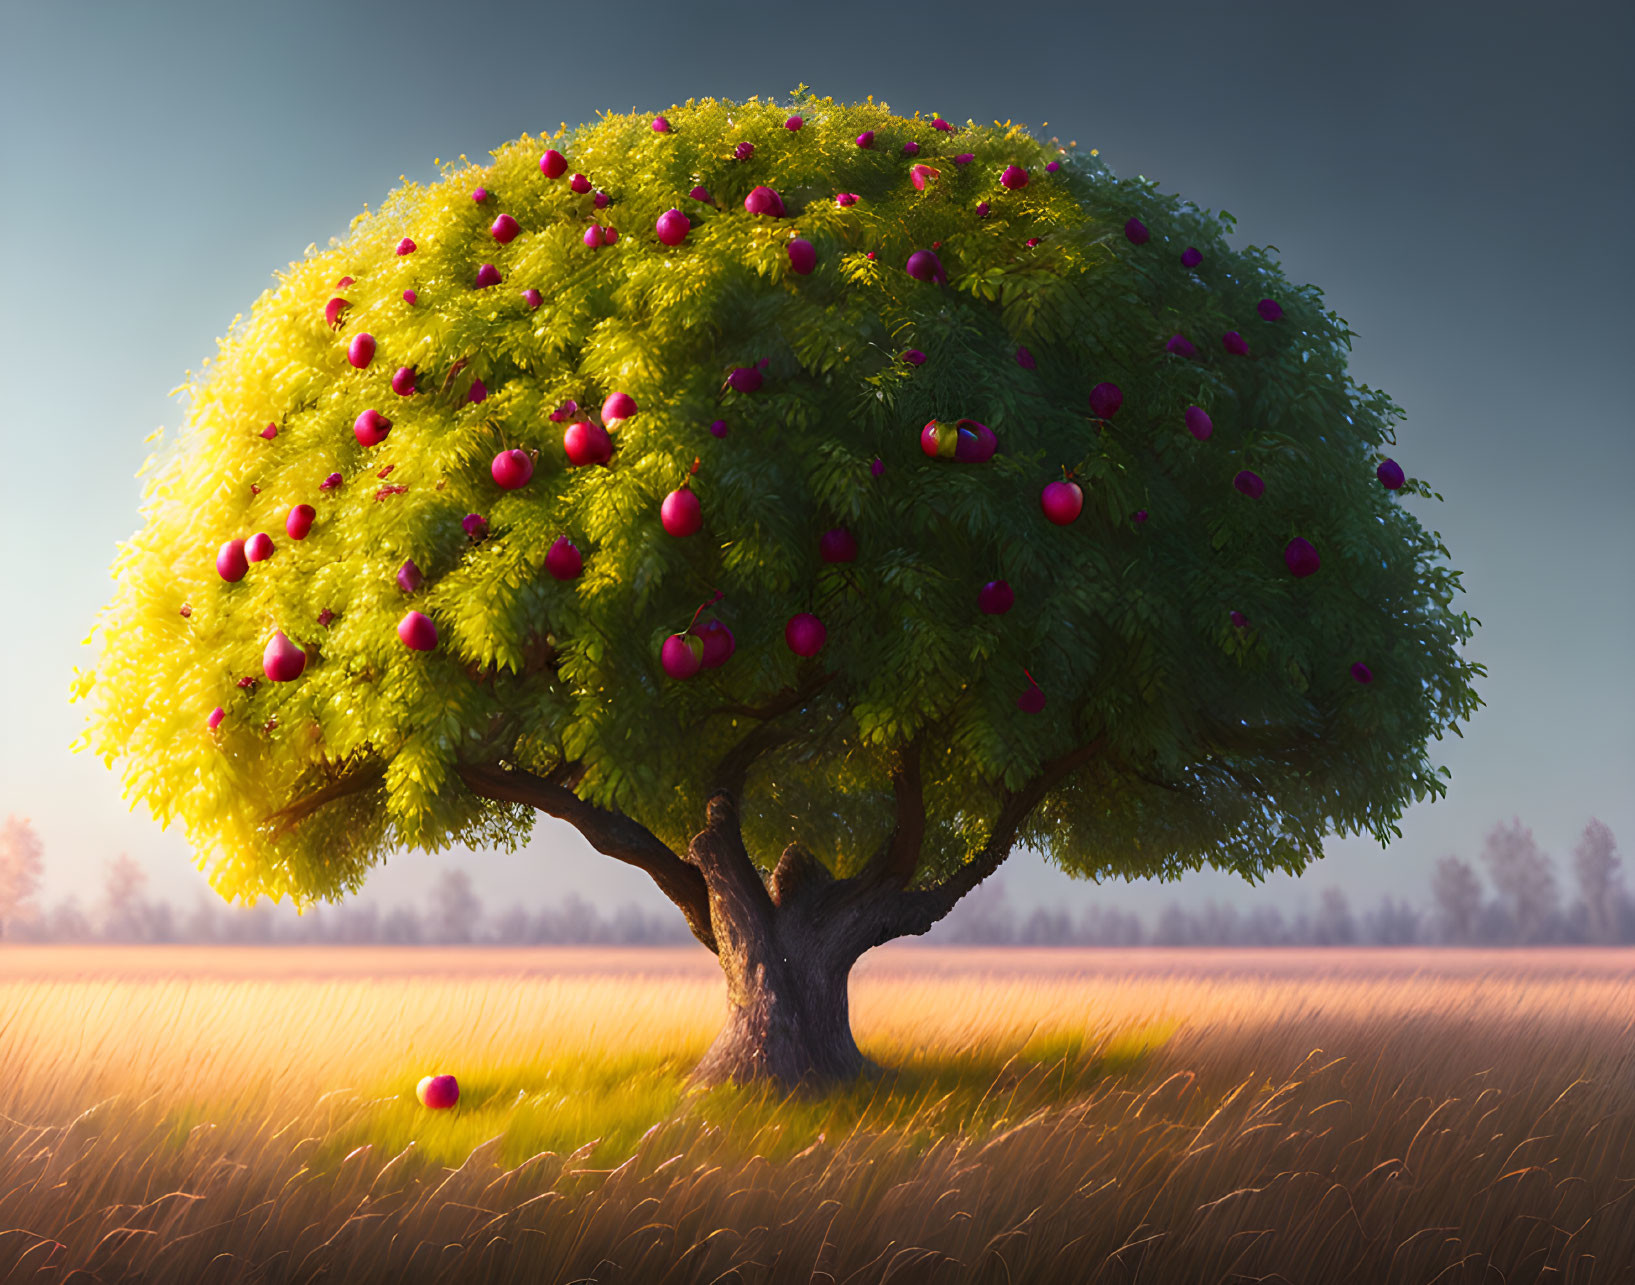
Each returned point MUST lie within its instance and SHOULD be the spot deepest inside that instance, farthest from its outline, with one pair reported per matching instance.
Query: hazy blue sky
(1456, 178)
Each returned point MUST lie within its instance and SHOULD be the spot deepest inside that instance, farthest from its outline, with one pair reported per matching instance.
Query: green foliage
(1237, 747)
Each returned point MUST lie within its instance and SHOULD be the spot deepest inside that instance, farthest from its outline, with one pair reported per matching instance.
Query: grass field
(216, 1115)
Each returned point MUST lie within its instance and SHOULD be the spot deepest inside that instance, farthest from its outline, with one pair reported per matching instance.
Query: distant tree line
(1520, 902)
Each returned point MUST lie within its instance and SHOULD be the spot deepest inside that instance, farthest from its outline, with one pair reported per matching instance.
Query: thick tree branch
(612, 833)
(895, 861)
(732, 771)
(737, 895)
(355, 782)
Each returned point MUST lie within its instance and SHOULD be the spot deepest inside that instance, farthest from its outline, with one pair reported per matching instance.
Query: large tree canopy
(835, 279)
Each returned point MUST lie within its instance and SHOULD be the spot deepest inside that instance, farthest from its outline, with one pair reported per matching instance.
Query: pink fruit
(343, 283)
(532, 298)
(672, 227)
(1052, 167)
(475, 525)
(995, 598)
(719, 644)
(231, 564)
(406, 246)
(593, 236)
(866, 138)
(939, 440)
(805, 634)
(1301, 558)
(794, 122)
(802, 256)
(682, 655)
(1137, 232)
(270, 432)
(563, 411)
(1198, 423)
(838, 545)
(512, 469)
(911, 148)
(505, 229)
(1250, 484)
(937, 122)
(410, 577)
(600, 200)
(480, 195)
(299, 522)
(579, 183)
(1233, 342)
(986, 442)
(618, 406)
(1062, 502)
(403, 381)
(1238, 619)
(282, 661)
(216, 715)
(660, 125)
(478, 392)
(1032, 700)
(743, 151)
(1181, 346)
(487, 275)
(609, 235)
(1390, 475)
(417, 632)
(877, 467)
(1139, 516)
(1269, 310)
(922, 176)
(745, 379)
(914, 357)
(681, 512)
(968, 444)
(922, 265)
(438, 1092)
(409, 296)
(563, 559)
(553, 164)
(330, 482)
(1025, 359)
(1190, 257)
(763, 200)
(718, 428)
(371, 428)
(259, 547)
(964, 158)
(1014, 177)
(361, 351)
(333, 310)
(982, 209)
(587, 443)
(1105, 399)
(1362, 673)
(702, 193)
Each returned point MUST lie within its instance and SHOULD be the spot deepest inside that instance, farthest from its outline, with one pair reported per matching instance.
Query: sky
(1456, 178)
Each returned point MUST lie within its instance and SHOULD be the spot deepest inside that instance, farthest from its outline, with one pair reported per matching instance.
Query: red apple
(1198, 423)
(1014, 176)
(361, 351)
(1301, 558)
(282, 661)
(478, 392)
(487, 275)
(579, 183)
(299, 522)
(1251, 484)
(838, 545)
(333, 310)
(1233, 342)
(805, 634)
(406, 246)
(1362, 673)
(1032, 700)
(593, 236)
(1062, 502)
(719, 644)
(618, 406)
(563, 559)
(1105, 399)
(512, 469)
(410, 577)
(995, 598)
(681, 512)
(231, 564)
(763, 200)
(553, 164)
(718, 427)
(505, 229)
(533, 298)
(409, 296)
(439, 1092)
(672, 227)
(587, 443)
(371, 427)
(1390, 475)
(403, 381)
(745, 379)
(802, 256)
(270, 432)
(417, 632)
(682, 655)
(259, 547)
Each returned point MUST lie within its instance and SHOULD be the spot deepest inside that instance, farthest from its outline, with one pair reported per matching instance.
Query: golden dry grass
(220, 1115)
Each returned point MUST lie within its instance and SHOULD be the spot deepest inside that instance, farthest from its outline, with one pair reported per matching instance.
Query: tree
(1525, 880)
(1243, 643)
(1335, 924)
(455, 910)
(21, 865)
(124, 908)
(1458, 895)
(1595, 866)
